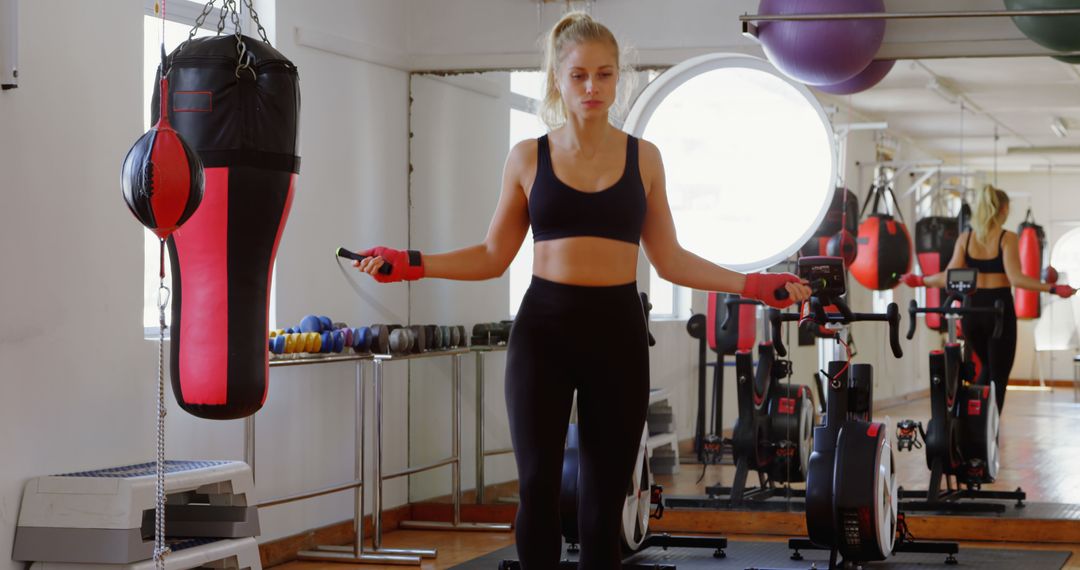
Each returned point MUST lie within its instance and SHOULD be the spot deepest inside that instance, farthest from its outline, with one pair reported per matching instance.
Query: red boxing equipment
(162, 178)
(884, 246)
(764, 287)
(842, 216)
(935, 239)
(1032, 246)
(405, 265)
(741, 331)
(241, 117)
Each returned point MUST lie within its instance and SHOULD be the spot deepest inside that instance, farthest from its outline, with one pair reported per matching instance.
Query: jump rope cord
(368, 297)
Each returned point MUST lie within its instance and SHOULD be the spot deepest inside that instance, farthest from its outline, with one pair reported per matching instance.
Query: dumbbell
(400, 341)
(420, 338)
(463, 336)
(362, 339)
(434, 337)
(380, 339)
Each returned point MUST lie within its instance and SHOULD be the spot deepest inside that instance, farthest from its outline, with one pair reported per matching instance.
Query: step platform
(219, 554)
(107, 516)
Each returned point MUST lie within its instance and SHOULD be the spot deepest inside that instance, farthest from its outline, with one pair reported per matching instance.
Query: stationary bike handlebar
(730, 304)
(844, 316)
(998, 310)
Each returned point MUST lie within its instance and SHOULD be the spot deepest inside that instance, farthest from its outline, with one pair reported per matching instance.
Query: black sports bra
(993, 265)
(558, 210)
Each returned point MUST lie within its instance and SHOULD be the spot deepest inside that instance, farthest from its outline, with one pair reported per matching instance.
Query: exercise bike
(851, 498)
(643, 501)
(961, 438)
(773, 430)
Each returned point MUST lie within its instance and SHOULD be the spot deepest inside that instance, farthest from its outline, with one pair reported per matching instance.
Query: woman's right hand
(404, 265)
(912, 280)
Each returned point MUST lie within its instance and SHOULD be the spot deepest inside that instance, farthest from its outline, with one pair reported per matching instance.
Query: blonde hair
(574, 28)
(988, 205)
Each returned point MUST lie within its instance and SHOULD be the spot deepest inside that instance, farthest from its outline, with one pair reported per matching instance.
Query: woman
(592, 193)
(994, 251)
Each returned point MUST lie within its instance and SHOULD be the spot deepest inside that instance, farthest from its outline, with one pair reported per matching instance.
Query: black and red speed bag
(162, 179)
(740, 330)
(1032, 245)
(243, 123)
(843, 200)
(884, 252)
(935, 238)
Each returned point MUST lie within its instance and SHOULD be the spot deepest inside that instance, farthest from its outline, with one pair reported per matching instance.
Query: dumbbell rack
(454, 460)
(355, 553)
(481, 454)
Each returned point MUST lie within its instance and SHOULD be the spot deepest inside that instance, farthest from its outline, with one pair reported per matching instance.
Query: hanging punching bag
(842, 216)
(935, 238)
(884, 246)
(240, 114)
(1032, 246)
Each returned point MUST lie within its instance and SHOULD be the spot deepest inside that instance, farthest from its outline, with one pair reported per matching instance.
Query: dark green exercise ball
(1073, 59)
(1059, 33)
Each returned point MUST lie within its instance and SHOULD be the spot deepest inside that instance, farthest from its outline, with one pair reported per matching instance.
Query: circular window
(749, 157)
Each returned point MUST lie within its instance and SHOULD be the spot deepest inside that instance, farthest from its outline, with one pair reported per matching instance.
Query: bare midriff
(993, 281)
(589, 261)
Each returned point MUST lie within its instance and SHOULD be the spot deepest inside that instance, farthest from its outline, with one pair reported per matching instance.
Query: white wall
(461, 135)
(80, 380)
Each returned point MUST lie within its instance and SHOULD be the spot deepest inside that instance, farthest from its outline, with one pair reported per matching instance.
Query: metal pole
(358, 546)
(376, 513)
(249, 444)
(456, 435)
(479, 427)
(905, 15)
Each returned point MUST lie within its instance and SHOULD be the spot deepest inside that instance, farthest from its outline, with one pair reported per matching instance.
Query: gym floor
(1038, 453)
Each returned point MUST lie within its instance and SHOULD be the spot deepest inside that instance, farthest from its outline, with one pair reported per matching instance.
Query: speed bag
(844, 201)
(243, 123)
(935, 238)
(1032, 245)
(884, 252)
(741, 330)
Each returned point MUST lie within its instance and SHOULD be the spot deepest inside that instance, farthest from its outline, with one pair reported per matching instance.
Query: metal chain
(201, 19)
(224, 14)
(255, 18)
(160, 549)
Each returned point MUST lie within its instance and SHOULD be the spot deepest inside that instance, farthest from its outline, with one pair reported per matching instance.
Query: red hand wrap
(407, 265)
(912, 280)
(763, 287)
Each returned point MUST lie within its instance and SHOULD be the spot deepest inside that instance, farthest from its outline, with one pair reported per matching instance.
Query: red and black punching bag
(1032, 246)
(839, 226)
(935, 238)
(884, 245)
(241, 116)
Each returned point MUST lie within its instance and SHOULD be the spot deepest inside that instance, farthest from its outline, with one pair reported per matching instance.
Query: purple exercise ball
(821, 52)
(871, 76)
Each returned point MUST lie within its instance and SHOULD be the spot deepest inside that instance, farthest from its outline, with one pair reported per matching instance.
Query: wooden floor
(1040, 451)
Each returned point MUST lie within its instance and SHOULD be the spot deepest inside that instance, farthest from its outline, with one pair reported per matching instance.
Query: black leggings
(996, 355)
(593, 340)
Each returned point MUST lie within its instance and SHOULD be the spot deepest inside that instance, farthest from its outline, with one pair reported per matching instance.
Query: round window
(749, 157)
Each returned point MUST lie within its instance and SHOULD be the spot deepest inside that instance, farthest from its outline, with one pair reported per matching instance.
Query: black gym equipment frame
(956, 452)
(850, 450)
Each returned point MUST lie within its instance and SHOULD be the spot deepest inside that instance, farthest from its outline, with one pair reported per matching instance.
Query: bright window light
(524, 125)
(749, 157)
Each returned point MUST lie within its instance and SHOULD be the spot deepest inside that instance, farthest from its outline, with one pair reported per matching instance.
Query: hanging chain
(160, 549)
(255, 18)
(199, 21)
